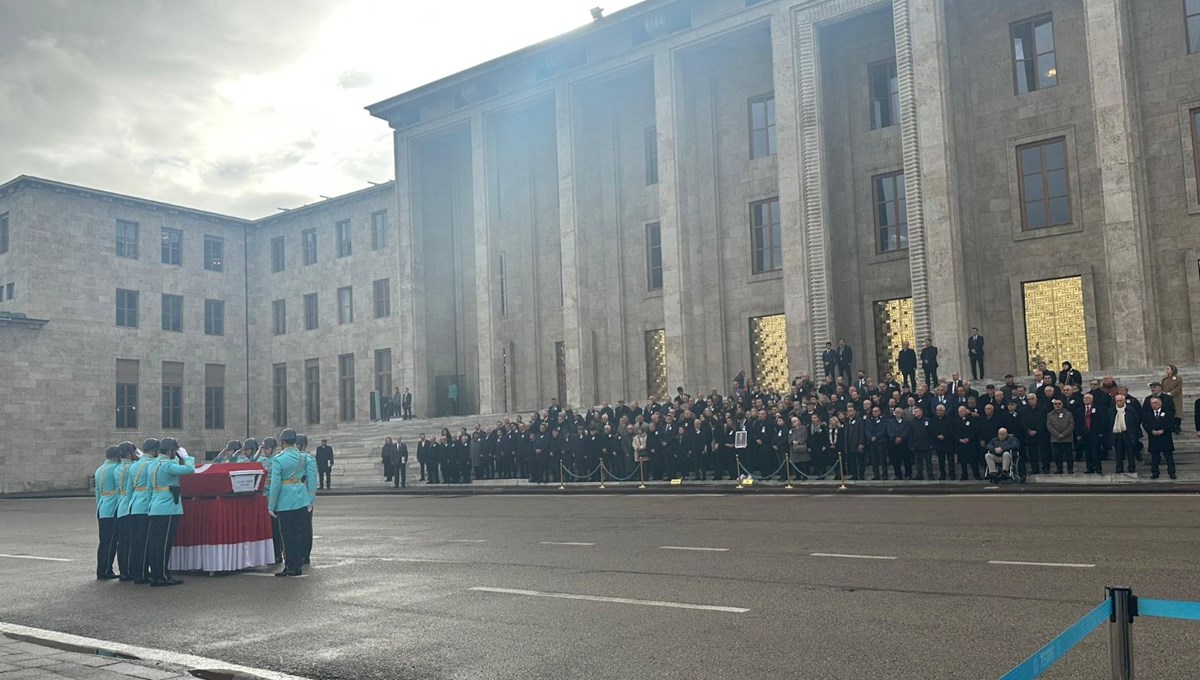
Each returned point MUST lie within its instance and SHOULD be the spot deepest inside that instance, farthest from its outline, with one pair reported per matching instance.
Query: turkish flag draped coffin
(221, 530)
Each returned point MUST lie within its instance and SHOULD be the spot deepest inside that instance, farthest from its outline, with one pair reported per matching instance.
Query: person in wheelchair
(1001, 450)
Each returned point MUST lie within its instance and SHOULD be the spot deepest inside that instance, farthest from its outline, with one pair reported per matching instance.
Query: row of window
(128, 303)
(6, 291)
(127, 240)
(312, 387)
(3, 233)
(127, 388)
(344, 241)
(382, 303)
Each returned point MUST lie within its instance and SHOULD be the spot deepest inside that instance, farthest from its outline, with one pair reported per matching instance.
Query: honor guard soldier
(165, 510)
(249, 452)
(139, 510)
(106, 512)
(229, 453)
(310, 467)
(269, 445)
(288, 499)
(127, 453)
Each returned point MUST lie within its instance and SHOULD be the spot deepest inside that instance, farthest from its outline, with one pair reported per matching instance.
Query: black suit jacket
(845, 356)
(1159, 420)
(929, 358)
(975, 345)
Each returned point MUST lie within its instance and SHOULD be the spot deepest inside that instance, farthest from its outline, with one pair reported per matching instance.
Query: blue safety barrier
(1054, 650)
(1168, 609)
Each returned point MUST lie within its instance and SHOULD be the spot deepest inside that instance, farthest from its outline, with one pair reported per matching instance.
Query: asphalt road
(392, 592)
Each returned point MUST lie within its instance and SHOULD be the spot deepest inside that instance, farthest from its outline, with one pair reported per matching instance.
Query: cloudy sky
(235, 106)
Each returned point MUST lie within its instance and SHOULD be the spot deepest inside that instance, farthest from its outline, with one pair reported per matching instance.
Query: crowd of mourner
(838, 427)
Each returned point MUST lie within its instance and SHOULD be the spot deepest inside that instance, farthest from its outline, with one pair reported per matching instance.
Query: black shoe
(126, 579)
(162, 583)
(285, 572)
(1174, 477)
(875, 478)
(106, 577)
(1154, 476)
(942, 478)
(141, 581)
(963, 478)
(174, 582)
(919, 478)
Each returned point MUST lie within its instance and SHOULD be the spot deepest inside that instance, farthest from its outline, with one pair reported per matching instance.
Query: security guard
(289, 498)
(127, 453)
(310, 466)
(106, 513)
(139, 510)
(249, 452)
(165, 510)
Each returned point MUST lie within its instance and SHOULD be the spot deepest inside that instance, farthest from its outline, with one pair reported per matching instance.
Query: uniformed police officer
(127, 453)
(139, 510)
(165, 509)
(310, 467)
(106, 513)
(248, 453)
(288, 499)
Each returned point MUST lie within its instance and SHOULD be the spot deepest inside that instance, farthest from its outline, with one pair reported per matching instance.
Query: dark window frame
(901, 227)
(214, 317)
(214, 253)
(1036, 84)
(127, 246)
(345, 242)
(1046, 197)
(128, 310)
(3, 233)
(279, 392)
(126, 406)
(654, 259)
(379, 229)
(345, 313)
(892, 96)
(312, 321)
(172, 253)
(650, 141)
(172, 407)
(766, 237)
(346, 387)
(1194, 123)
(312, 391)
(278, 255)
(279, 317)
(383, 371)
(1193, 38)
(172, 312)
(308, 245)
(770, 141)
(384, 285)
(503, 287)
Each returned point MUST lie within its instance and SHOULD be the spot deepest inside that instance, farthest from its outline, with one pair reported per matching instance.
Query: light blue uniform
(124, 489)
(289, 490)
(107, 490)
(139, 485)
(164, 475)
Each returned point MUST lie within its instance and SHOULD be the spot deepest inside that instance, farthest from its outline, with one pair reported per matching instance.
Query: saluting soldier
(139, 510)
(165, 510)
(248, 452)
(229, 453)
(288, 499)
(106, 513)
(127, 452)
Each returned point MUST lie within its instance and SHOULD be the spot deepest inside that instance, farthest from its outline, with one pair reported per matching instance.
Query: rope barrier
(615, 478)
(1054, 650)
(588, 476)
(820, 476)
(760, 479)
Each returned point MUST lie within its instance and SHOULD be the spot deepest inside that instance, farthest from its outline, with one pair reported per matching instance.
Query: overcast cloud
(238, 107)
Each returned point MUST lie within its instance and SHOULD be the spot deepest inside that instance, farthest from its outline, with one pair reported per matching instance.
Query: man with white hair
(1000, 450)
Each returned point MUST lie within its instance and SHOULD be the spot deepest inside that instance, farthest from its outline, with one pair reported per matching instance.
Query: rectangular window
(3, 233)
(1034, 67)
(651, 143)
(279, 378)
(654, 262)
(766, 236)
(310, 311)
(1045, 186)
(312, 391)
(127, 394)
(277, 254)
(346, 382)
(503, 289)
(308, 239)
(1195, 118)
(172, 395)
(127, 308)
(379, 230)
(127, 239)
(279, 315)
(214, 317)
(1191, 11)
(172, 312)
(214, 253)
(9, 287)
(214, 396)
(343, 238)
(891, 212)
(382, 290)
(885, 94)
(762, 126)
(345, 298)
(383, 372)
(172, 246)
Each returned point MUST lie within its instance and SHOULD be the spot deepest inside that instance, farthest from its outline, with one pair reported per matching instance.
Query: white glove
(272, 513)
(310, 508)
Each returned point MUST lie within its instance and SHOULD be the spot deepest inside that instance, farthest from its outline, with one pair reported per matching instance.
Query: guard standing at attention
(288, 499)
(127, 452)
(165, 510)
(139, 510)
(106, 513)
(310, 474)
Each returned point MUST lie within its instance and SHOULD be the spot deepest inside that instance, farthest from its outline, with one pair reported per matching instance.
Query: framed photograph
(739, 439)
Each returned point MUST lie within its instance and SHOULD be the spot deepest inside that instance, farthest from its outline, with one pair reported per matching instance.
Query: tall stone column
(411, 301)
(483, 268)
(572, 322)
(1131, 295)
(668, 216)
(930, 185)
(791, 204)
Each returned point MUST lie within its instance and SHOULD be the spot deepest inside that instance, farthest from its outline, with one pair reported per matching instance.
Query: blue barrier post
(1120, 632)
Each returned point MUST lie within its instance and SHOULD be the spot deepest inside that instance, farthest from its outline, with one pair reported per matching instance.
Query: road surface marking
(35, 557)
(1043, 564)
(856, 557)
(683, 547)
(467, 540)
(564, 543)
(146, 653)
(612, 600)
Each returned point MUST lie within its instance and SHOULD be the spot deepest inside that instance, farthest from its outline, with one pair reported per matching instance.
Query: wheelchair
(1013, 476)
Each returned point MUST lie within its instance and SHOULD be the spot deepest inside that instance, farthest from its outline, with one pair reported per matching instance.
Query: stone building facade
(672, 194)
(691, 188)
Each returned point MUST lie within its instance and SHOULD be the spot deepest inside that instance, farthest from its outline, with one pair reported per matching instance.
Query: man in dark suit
(975, 350)
(406, 404)
(324, 464)
(907, 360)
(388, 454)
(899, 435)
(1158, 423)
(1124, 433)
(966, 443)
(929, 362)
(845, 360)
(1092, 429)
(829, 360)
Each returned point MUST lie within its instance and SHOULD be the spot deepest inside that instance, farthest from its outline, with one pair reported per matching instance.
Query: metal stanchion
(1120, 633)
(641, 473)
(601, 473)
(842, 472)
(737, 459)
(787, 461)
(561, 486)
